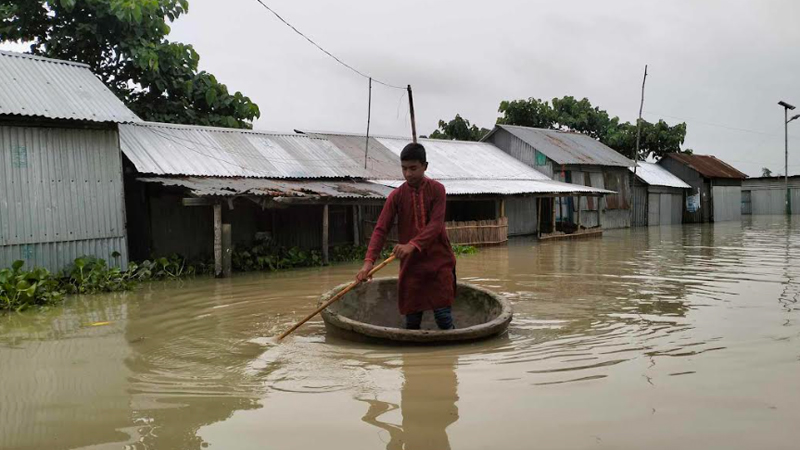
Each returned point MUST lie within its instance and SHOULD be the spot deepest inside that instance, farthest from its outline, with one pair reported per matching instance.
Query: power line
(691, 119)
(325, 51)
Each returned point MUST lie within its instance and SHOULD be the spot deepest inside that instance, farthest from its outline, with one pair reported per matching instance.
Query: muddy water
(679, 337)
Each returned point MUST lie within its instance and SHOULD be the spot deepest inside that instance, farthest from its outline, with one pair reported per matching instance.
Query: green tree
(765, 172)
(124, 42)
(458, 129)
(580, 116)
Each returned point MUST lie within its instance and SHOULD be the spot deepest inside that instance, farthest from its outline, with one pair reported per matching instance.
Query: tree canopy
(124, 42)
(570, 114)
(458, 129)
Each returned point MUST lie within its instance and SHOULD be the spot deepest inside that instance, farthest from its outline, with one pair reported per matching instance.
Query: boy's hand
(404, 250)
(363, 274)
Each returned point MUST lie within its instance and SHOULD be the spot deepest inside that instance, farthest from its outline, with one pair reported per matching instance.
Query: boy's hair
(413, 152)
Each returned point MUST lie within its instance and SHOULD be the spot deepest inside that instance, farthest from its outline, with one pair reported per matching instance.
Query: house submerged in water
(61, 194)
(577, 159)
(491, 195)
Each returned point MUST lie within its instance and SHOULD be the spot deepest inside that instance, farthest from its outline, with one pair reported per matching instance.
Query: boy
(427, 263)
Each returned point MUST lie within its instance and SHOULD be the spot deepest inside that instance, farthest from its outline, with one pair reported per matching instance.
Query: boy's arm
(436, 223)
(382, 228)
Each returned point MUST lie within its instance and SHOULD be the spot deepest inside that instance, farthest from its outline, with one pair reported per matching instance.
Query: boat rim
(486, 329)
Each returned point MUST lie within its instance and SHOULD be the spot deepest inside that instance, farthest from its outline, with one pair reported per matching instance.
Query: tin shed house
(61, 190)
(716, 193)
(578, 159)
(658, 196)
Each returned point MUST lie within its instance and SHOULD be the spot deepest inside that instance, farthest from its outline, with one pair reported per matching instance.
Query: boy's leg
(444, 318)
(414, 321)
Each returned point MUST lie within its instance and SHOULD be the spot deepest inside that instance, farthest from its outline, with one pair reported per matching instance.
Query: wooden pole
(218, 240)
(369, 114)
(356, 236)
(539, 217)
(336, 297)
(325, 234)
(411, 111)
(227, 251)
(638, 139)
(502, 207)
(579, 213)
(554, 216)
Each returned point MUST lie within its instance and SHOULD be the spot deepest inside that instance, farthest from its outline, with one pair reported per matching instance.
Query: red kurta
(427, 277)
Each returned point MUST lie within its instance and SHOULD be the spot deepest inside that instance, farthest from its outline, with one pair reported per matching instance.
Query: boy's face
(413, 171)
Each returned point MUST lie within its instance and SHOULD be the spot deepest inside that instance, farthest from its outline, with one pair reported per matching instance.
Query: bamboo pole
(218, 240)
(336, 297)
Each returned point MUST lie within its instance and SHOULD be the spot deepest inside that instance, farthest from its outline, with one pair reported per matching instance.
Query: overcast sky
(721, 66)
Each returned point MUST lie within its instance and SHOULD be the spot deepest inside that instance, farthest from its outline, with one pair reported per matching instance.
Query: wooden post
(554, 215)
(539, 216)
(218, 240)
(579, 213)
(356, 236)
(411, 112)
(600, 212)
(325, 234)
(227, 250)
(502, 207)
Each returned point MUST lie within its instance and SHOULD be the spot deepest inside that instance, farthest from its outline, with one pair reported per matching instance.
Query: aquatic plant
(20, 289)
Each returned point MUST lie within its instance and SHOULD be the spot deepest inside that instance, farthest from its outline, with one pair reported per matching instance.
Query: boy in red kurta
(427, 268)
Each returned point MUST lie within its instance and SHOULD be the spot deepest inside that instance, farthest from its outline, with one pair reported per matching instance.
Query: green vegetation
(125, 44)
(21, 289)
(580, 116)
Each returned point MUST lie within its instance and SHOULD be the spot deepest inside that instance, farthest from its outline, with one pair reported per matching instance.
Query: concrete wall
(61, 196)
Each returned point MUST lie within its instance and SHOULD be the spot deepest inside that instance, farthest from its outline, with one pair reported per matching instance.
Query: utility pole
(369, 114)
(411, 110)
(636, 151)
(786, 120)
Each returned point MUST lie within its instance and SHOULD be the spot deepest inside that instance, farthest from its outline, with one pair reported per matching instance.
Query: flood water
(662, 338)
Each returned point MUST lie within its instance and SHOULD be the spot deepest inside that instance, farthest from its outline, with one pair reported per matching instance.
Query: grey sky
(711, 62)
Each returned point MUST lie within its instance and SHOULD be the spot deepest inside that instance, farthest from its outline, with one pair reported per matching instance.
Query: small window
(541, 160)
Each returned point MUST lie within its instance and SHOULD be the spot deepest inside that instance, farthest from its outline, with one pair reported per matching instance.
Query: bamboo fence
(475, 232)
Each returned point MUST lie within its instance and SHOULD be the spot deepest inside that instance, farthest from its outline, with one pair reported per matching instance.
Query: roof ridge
(147, 124)
(43, 59)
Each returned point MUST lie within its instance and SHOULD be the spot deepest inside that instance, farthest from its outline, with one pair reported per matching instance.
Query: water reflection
(427, 405)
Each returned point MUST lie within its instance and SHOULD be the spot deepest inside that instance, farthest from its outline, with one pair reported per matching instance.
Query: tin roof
(227, 186)
(54, 89)
(166, 149)
(655, 175)
(463, 167)
(709, 166)
(507, 187)
(448, 160)
(566, 147)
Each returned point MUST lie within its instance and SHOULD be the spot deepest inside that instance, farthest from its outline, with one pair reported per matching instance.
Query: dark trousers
(443, 317)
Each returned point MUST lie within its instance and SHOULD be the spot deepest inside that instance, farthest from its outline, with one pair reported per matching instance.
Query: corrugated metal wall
(727, 201)
(520, 150)
(653, 209)
(61, 196)
(521, 213)
(768, 196)
(640, 207)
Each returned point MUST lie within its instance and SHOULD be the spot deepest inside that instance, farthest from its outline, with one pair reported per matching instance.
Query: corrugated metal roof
(55, 89)
(448, 160)
(568, 148)
(507, 187)
(655, 175)
(165, 149)
(226, 187)
(709, 166)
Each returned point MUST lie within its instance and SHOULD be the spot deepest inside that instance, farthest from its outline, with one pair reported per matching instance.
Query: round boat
(371, 310)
